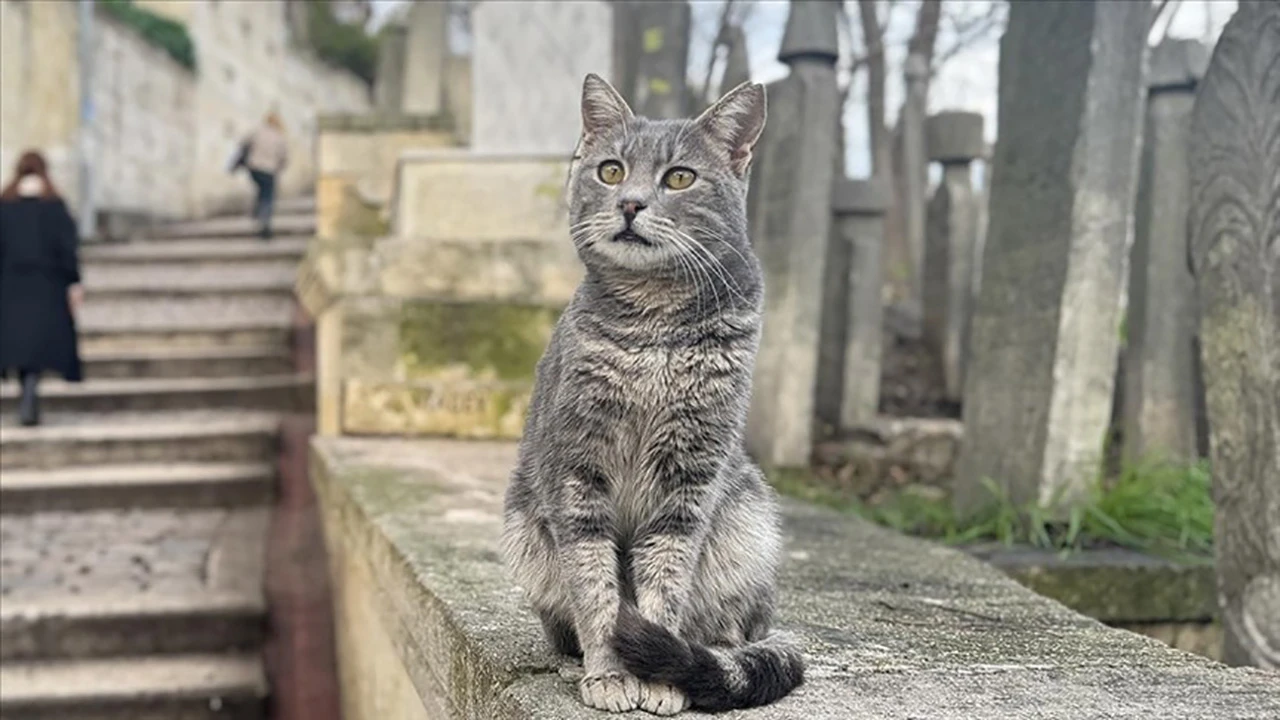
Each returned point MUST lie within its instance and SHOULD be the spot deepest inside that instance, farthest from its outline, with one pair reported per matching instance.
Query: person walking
(265, 155)
(40, 288)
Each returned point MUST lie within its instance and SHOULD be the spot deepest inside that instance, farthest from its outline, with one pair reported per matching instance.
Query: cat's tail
(714, 679)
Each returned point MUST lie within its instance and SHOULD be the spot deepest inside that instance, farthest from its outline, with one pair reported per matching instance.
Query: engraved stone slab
(1235, 257)
(1044, 335)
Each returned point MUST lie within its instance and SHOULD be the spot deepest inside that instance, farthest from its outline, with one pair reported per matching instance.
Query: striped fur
(634, 520)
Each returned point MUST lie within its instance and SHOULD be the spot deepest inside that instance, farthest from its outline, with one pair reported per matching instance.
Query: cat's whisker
(712, 263)
(683, 242)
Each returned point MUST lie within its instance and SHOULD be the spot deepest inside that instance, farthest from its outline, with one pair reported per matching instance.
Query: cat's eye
(611, 172)
(679, 178)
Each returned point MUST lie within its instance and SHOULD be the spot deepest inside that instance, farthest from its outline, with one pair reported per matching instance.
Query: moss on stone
(1114, 586)
(491, 340)
(359, 218)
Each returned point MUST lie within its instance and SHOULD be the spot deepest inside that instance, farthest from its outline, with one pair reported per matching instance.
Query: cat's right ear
(603, 109)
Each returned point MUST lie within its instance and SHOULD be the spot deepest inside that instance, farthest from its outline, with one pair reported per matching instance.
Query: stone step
(203, 321)
(299, 204)
(231, 334)
(196, 251)
(284, 225)
(185, 485)
(134, 438)
(128, 582)
(198, 312)
(145, 624)
(187, 687)
(188, 362)
(262, 282)
(110, 395)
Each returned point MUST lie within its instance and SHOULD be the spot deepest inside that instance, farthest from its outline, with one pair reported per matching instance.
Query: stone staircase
(133, 522)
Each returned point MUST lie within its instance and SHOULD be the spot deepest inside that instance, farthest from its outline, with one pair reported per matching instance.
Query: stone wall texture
(163, 133)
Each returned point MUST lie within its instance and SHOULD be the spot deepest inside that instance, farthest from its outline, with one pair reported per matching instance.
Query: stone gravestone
(790, 210)
(852, 315)
(914, 172)
(427, 47)
(652, 41)
(528, 62)
(388, 88)
(1235, 258)
(1159, 383)
(955, 141)
(1045, 332)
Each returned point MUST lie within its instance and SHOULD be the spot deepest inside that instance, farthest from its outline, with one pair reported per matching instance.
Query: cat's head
(650, 194)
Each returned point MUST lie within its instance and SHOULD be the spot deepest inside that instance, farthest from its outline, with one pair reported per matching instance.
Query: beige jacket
(268, 150)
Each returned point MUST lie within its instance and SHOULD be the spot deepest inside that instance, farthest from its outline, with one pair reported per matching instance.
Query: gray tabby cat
(645, 538)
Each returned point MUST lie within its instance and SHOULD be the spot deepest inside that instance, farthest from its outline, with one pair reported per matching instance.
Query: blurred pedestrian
(265, 153)
(39, 282)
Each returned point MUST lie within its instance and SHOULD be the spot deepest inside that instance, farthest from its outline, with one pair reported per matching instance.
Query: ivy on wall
(166, 34)
(345, 45)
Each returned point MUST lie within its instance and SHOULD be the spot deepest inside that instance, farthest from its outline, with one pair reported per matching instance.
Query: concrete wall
(144, 105)
(39, 87)
(434, 325)
(164, 133)
(248, 66)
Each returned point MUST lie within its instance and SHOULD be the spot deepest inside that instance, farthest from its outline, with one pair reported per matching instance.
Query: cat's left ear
(736, 121)
(602, 108)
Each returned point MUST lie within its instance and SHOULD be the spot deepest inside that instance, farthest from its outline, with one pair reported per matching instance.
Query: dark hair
(31, 163)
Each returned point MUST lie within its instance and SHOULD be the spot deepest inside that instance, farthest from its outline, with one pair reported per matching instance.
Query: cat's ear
(602, 107)
(736, 121)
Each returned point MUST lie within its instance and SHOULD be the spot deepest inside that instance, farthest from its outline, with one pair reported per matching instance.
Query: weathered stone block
(652, 56)
(950, 255)
(431, 626)
(1160, 376)
(423, 367)
(426, 46)
(1044, 335)
(388, 88)
(1235, 257)
(849, 354)
(955, 137)
(458, 195)
(526, 84)
(790, 211)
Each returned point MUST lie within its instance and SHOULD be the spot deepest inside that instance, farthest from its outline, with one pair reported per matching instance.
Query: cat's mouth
(631, 236)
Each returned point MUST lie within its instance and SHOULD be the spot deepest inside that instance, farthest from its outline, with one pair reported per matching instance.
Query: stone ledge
(1114, 585)
(430, 627)
(381, 122)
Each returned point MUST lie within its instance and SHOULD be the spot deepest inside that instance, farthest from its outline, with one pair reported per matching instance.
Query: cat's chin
(633, 252)
(632, 237)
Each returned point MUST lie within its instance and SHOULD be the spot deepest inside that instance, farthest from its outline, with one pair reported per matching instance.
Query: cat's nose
(630, 208)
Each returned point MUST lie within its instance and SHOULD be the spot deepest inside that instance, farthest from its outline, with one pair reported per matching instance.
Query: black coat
(38, 242)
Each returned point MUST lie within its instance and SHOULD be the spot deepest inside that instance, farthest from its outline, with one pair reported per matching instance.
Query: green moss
(344, 45)
(502, 341)
(359, 218)
(1161, 508)
(160, 31)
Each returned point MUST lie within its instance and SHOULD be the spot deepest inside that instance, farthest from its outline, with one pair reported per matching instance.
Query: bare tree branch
(873, 45)
(967, 34)
(1173, 13)
(1155, 16)
(722, 35)
(926, 35)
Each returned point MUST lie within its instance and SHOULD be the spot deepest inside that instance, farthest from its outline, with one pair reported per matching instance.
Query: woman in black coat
(39, 282)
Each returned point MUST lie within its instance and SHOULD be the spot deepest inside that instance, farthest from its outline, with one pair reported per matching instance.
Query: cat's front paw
(662, 699)
(612, 691)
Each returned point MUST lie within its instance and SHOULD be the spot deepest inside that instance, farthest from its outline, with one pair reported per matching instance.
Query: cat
(645, 538)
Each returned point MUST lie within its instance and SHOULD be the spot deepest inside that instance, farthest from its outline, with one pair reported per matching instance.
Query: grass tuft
(1162, 508)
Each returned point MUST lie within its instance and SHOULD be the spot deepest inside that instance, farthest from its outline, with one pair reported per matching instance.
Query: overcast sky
(966, 82)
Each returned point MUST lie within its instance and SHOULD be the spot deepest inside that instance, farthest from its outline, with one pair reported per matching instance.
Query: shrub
(341, 44)
(166, 34)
